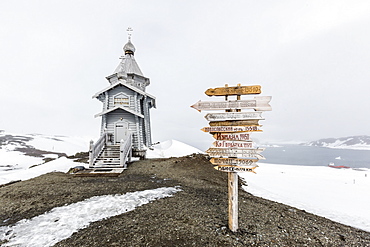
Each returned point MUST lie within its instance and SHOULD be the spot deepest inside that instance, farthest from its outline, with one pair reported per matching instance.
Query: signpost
(235, 152)
(259, 103)
(238, 90)
(251, 128)
(233, 161)
(231, 168)
(233, 116)
(233, 144)
(232, 136)
(247, 122)
(233, 149)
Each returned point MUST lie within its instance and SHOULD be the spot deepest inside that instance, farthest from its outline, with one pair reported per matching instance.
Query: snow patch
(61, 222)
(59, 165)
(171, 148)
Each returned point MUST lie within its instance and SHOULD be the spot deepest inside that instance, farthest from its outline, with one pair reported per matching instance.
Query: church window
(121, 100)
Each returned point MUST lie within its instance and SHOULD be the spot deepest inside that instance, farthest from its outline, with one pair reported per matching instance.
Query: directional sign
(251, 128)
(259, 103)
(235, 122)
(236, 152)
(233, 161)
(239, 90)
(233, 144)
(232, 136)
(233, 116)
(226, 168)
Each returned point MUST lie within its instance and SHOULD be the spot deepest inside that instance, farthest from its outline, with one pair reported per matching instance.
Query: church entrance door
(121, 131)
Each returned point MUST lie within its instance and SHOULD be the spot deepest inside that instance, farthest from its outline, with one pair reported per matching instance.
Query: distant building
(125, 118)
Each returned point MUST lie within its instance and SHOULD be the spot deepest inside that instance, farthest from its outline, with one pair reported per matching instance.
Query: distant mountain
(350, 142)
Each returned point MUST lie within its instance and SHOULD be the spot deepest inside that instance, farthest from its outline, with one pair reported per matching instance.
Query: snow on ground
(338, 194)
(10, 159)
(61, 165)
(61, 222)
(61, 144)
(341, 195)
(171, 148)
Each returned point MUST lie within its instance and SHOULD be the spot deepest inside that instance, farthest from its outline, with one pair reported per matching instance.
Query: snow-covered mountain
(350, 142)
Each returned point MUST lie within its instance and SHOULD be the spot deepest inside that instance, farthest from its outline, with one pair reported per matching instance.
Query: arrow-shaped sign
(226, 168)
(251, 128)
(233, 161)
(233, 144)
(233, 116)
(259, 103)
(235, 122)
(236, 152)
(239, 90)
(232, 136)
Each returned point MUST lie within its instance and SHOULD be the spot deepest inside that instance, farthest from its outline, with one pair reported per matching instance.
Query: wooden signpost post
(233, 149)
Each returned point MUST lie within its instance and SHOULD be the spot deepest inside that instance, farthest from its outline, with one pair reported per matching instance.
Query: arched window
(122, 100)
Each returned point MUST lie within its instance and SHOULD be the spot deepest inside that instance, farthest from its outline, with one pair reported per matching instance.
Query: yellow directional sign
(239, 90)
(233, 144)
(228, 168)
(250, 128)
(234, 161)
(232, 136)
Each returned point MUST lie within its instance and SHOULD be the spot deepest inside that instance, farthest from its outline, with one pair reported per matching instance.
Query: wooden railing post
(91, 153)
(121, 154)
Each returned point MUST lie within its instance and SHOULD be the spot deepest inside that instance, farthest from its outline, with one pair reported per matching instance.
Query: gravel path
(196, 216)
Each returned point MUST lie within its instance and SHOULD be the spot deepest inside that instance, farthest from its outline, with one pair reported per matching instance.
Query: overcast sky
(312, 57)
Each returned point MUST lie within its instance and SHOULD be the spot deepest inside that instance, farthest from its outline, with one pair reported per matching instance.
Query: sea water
(316, 156)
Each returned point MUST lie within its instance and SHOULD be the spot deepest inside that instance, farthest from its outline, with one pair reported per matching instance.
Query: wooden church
(125, 119)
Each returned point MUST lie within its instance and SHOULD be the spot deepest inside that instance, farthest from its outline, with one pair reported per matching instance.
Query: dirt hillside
(196, 216)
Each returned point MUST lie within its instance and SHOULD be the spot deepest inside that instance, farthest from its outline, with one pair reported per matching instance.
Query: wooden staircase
(102, 155)
(109, 157)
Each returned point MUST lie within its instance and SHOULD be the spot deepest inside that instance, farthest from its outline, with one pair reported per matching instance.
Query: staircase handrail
(96, 149)
(125, 150)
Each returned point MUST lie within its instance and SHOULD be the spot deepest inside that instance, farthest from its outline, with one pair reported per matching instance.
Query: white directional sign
(233, 116)
(232, 136)
(236, 152)
(250, 128)
(226, 168)
(259, 103)
(233, 144)
(234, 161)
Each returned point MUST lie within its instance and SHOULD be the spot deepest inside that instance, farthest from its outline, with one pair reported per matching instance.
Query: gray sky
(312, 57)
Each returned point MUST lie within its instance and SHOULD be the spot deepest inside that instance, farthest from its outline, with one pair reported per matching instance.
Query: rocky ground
(196, 216)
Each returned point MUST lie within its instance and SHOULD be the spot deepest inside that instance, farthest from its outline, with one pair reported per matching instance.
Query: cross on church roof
(129, 32)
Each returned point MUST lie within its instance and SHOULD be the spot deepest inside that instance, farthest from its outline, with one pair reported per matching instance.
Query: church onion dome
(128, 64)
(129, 48)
